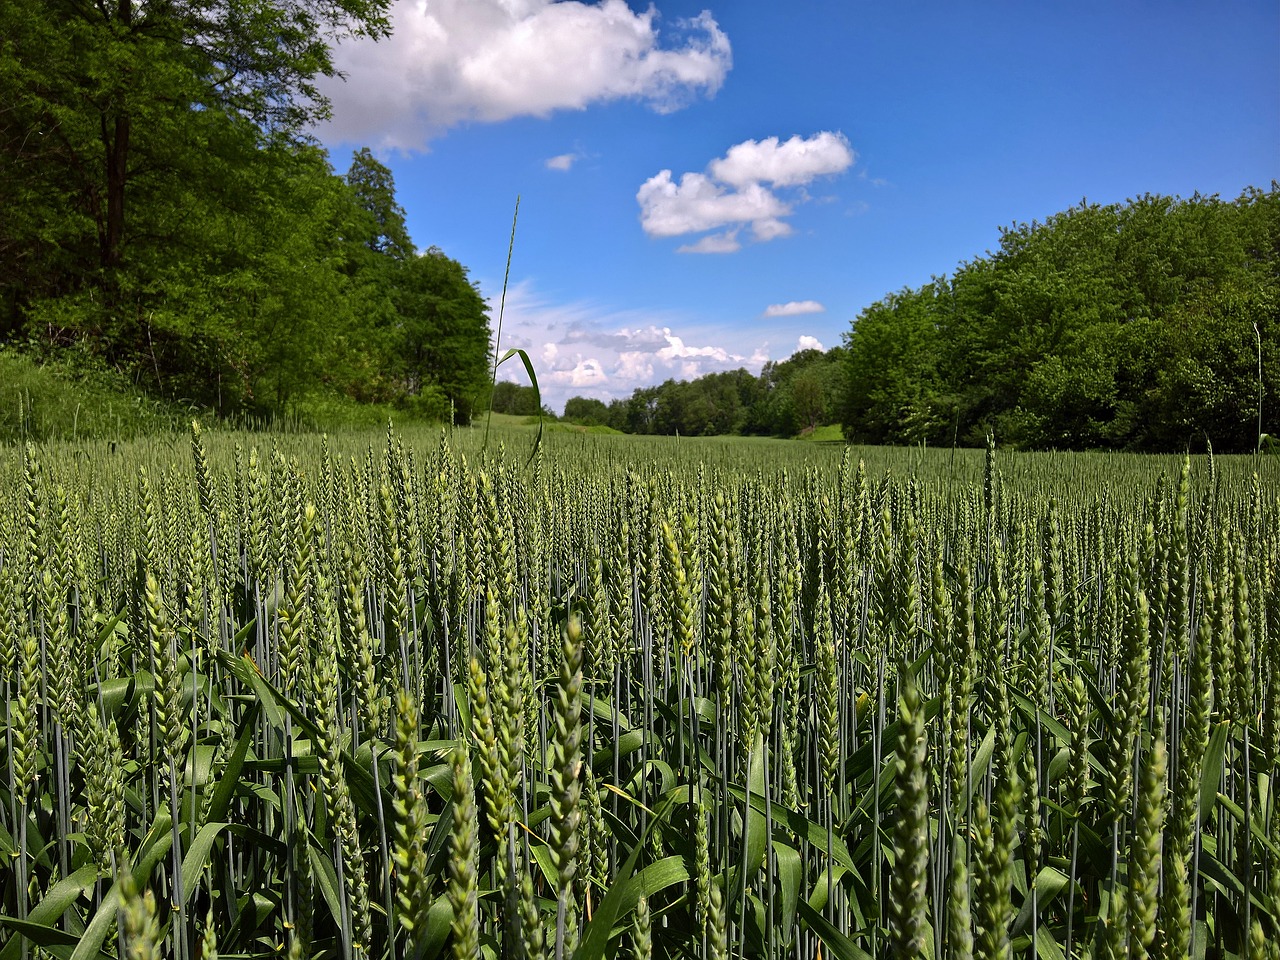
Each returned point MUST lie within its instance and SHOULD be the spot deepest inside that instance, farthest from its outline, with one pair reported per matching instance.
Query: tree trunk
(117, 150)
(115, 141)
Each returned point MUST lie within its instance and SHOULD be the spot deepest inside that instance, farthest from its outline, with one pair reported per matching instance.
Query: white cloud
(792, 163)
(676, 349)
(770, 229)
(793, 308)
(585, 372)
(454, 61)
(809, 343)
(733, 192)
(563, 161)
(633, 367)
(697, 203)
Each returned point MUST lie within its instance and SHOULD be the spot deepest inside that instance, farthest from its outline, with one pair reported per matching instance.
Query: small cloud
(588, 372)
(739, 190)
(726, 242)
(676, 349)
(792, 163)
(809, 343)
(771, 229)
(793, 308)
(562, 162)
(696, 203)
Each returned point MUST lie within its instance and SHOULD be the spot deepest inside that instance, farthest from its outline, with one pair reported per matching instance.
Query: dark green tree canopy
(1138, 326)
(586, 410)
(788, 397)
(375, 191)
(442, 330)
(165, 214)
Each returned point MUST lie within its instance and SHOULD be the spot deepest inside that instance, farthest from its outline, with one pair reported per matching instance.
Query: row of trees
(788, 397)
(166, 215)
(1149, 325)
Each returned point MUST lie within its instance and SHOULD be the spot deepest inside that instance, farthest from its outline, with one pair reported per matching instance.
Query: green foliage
(1126, 326)
(375, 191)
(586, 411)
(514, 398)
(167, 213)
(441, 339)
(55, 401)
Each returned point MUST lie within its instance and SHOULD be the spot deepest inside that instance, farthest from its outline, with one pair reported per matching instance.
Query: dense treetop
(1146, 325)
(165, 213)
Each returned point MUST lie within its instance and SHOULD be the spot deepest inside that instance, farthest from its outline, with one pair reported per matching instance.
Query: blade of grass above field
(537, 394)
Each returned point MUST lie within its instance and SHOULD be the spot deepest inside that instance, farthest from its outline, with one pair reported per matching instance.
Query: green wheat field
(406, 696)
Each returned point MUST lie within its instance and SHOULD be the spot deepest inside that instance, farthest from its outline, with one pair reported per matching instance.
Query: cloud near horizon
(582, 348)
(738, 191)
(455, 61)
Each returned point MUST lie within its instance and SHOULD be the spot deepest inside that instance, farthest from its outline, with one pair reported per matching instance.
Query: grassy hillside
(52, 401)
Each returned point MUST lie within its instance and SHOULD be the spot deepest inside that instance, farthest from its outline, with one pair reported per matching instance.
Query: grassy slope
(40, 402)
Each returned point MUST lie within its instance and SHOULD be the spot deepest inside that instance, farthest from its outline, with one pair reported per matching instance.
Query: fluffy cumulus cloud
(793, 308)
(807, 342)
(453, 61)
(740, 191)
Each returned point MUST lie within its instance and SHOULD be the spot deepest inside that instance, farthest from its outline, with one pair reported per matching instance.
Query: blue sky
(709, 185)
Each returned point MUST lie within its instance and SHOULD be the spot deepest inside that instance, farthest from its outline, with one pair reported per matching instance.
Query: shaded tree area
(788, 397)
(1131, 326)
(165, 214)
(517, 399)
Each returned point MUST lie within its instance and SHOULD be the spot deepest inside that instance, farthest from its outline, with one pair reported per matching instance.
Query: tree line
(166, 214)
(1148, 325)
(788, 397)
(1152, 325)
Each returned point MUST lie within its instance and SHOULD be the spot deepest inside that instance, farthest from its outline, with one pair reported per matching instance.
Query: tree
(375, 191)
(586, 411)
(442, 335)
(138, 145)
(109, 88)
(892, 390)
(808, 391)
(1125, 326)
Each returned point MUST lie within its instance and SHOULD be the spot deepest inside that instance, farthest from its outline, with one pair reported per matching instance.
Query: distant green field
(829, 433)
